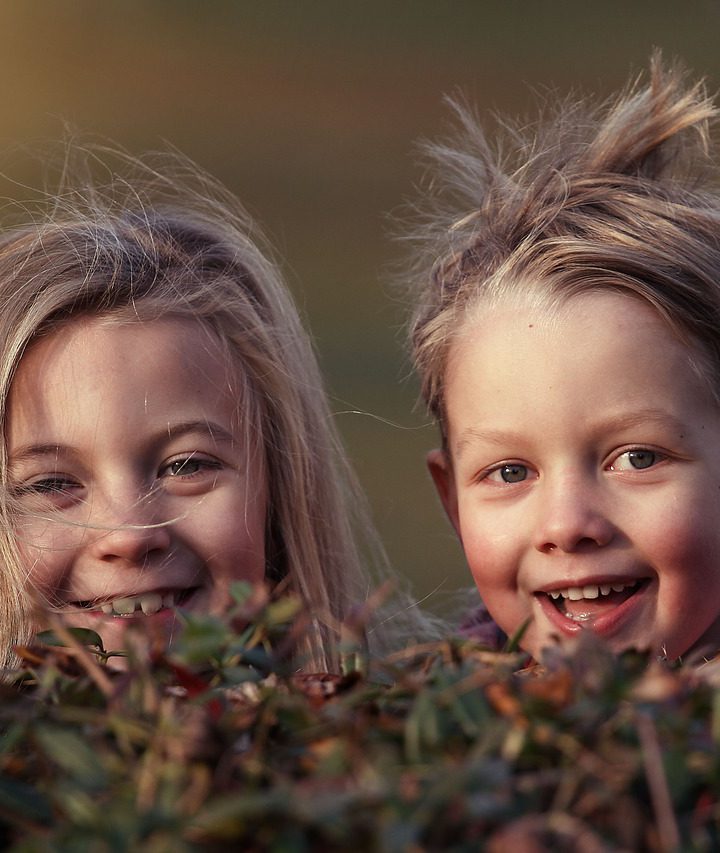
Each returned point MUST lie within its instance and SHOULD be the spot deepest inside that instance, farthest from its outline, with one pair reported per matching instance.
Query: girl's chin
(158, 627)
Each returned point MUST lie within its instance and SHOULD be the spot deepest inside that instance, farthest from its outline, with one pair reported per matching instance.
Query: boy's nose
(571, 518)
(127, 533)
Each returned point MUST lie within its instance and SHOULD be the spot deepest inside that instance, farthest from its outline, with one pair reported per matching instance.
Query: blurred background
(309, 110)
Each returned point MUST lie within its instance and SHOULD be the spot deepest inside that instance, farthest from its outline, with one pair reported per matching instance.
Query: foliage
(448, 746)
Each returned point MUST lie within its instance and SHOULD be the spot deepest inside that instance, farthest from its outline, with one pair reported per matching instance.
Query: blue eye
(641, 458)
(513, 473)
(636, 460)
(509, 473)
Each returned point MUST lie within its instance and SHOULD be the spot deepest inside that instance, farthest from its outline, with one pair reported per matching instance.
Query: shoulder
(479, 625)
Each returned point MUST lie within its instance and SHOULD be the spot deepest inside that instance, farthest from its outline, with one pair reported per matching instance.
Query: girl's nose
(133, 536)
(571, 518)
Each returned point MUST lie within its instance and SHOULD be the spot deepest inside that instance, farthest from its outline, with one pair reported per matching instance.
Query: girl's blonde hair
(620, 196)
(168, 241)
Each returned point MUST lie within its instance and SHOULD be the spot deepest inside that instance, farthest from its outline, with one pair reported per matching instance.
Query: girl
(165, 431)
(568, 342)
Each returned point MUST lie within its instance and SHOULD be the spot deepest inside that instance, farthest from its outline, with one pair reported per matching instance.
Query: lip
(604, 625)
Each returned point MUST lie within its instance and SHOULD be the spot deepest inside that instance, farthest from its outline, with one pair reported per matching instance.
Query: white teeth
(577, 593)
(151, 602)
(148, 603)
(579, 617)
(124, 606)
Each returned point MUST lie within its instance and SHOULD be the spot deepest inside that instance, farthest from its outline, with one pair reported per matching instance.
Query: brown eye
(183, 467)
(186, 466)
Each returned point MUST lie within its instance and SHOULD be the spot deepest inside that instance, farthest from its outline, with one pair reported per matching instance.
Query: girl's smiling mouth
(141, 604)
(600, 606)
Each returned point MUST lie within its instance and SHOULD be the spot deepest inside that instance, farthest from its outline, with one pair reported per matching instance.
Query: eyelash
(204, 464)
(58, 485)
(496, 469)
(47, 485)
(657, 457)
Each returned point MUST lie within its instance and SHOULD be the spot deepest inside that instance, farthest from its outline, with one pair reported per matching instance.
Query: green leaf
(72, 754)
(19, 798)
(85, 636)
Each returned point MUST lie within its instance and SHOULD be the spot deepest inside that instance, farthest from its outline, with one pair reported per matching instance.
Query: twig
(657, 782)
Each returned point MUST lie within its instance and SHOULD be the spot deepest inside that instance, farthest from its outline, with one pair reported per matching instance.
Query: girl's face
(137, 486)
(583, 474)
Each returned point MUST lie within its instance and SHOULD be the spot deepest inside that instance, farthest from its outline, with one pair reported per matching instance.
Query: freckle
(530, 325)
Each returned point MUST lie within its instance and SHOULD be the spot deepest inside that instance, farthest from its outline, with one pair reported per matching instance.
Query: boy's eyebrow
(636, 418)
(492, 436)
(173, 430)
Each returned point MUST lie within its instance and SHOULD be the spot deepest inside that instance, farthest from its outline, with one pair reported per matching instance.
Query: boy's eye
(636, 460)
(510, 473)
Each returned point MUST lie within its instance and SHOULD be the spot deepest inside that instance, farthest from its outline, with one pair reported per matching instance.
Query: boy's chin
(550, 645)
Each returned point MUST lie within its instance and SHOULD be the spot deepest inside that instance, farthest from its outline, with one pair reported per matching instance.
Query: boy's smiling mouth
(590, 602)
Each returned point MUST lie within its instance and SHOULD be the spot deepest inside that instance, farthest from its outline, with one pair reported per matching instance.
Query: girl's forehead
(91, 380)
(143, 358)
(79, 339)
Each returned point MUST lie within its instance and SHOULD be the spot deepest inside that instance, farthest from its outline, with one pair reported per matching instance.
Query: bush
(220, 743)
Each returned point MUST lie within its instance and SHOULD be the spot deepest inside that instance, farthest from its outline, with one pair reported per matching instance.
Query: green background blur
(309, 111)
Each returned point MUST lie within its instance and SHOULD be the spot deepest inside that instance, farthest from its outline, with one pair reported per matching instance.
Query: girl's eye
(636, 460)
(189, 465)
(56, 490)
(509, 473)
(48, 486)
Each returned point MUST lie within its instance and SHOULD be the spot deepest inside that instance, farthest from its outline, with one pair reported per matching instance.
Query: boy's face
(137, 486)
(583, 474)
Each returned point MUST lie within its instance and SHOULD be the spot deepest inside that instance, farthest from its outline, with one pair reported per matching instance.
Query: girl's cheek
(43, 550)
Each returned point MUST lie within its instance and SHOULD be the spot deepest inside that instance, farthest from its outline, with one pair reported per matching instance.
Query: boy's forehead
(598, 353)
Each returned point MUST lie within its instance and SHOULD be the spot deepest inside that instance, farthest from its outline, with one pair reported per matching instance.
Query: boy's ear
(441, 471)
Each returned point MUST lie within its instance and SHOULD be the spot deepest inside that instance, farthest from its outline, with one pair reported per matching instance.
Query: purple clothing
(479, 625)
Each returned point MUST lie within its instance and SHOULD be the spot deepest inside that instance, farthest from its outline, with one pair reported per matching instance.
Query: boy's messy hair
(620, 196)
(165, 240)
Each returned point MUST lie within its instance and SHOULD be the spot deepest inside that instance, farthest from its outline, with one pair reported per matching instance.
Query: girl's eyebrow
(636, 418)
(32, 451)
(211, 428)
(217, 432)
